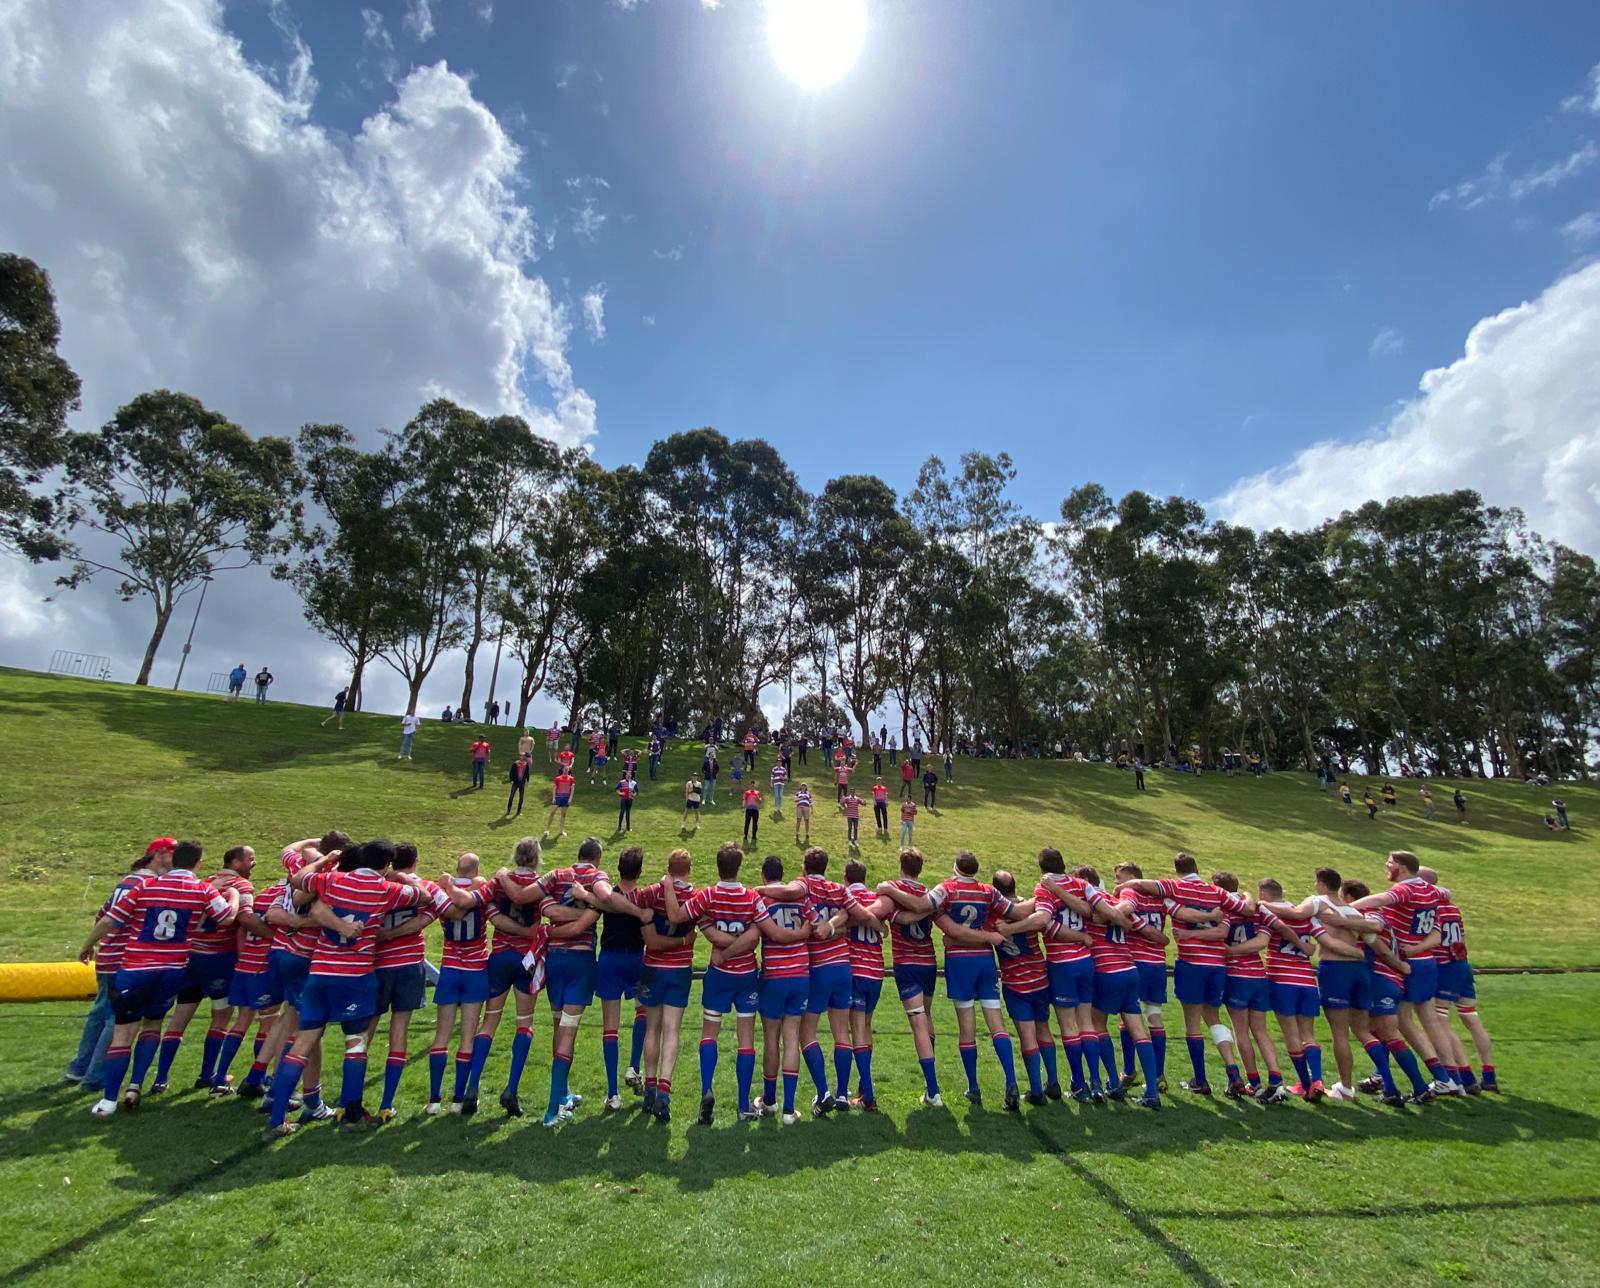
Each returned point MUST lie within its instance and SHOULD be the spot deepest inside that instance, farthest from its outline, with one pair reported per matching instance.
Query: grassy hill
(1205, 1192)
(89, 772)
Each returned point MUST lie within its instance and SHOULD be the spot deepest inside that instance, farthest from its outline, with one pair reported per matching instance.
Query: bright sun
(816, 41)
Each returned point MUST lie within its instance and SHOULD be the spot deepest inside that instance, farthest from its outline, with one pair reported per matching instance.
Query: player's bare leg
(1213, 1021)
(1415, 1024)
(669, 1033)
(444, 1024)
(1343, 1057)
(1256, 1023)
(1467, 1012)
(916, 1008)
(710, 1036)
(1440, 1038)
(1240, 1019)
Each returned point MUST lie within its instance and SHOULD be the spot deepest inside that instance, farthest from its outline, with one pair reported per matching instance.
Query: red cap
(161, 845)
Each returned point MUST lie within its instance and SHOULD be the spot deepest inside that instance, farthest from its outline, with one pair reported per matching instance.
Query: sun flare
(815, 42)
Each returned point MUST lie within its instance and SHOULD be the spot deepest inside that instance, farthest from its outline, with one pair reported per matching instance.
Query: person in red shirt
(841, 780)
(752, 814)
(560, 799)
(480, 760)
(907, 773)
(880, 807)
(851, 805)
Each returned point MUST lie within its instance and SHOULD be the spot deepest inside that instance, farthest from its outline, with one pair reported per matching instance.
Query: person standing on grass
(894, 750)
(930, 786)
(552, 742)
(851, 805)
(627, 789)
(877, 757)
(339, 700)
(408, 731)
(750, 749)
(1427, 802)
(752, 814)
(1457, 990)
(1560, 807)
(480, 760)
(908, 818)
(950, 766)
(1388, 796)
(1370, 803)
(1461, 806)
(780, 777)
(802, 812)
(907, 773)
(880, 807)
(398, 956)
(518, 777)
(88, 1066)
(1138, 775)
(525, 744)
(236, 679)
(560, 800)
(693, 790)
(664, 984)
(1344, 799)
(263, 683)
(654, 755)
(708, 773)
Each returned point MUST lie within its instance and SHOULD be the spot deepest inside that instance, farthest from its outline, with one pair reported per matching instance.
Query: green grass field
(1490, 1191)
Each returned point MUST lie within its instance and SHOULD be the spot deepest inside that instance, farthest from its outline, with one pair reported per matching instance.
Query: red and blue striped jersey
(558, 885)
(1241, 930)
(912, 942)
(364, 896)
(410, 948)
(1021, 963)
(524, 914)
(466, 944)
(161, 915)
(1064, 917)
(253, 949)
(1148, 910)
(968, 903)
(208, 937)
(866, 944)
(1192, 892)
(1109, 947)
(680, 956)
(1452, 934)
(787, 961)
(1286, 964)
(731, 908)
(1414, 914)
(108, 952)
(828, 897)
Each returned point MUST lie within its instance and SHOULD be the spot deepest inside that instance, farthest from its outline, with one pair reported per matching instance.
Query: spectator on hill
(408, 731)
(907, 773)
(263, 683)
(1388, 796)
(520, 770)
(339, 700)
(950, 766)
(525, 744)
(552, 742)
(1561, 813)
(930, 786)
(627, 789)
(480, 760)
(236, 679)
(1138, 774)
(708, 772)
(1461, 806)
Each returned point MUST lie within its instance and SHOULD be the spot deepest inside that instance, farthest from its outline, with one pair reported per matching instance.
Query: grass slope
(1207, 1192)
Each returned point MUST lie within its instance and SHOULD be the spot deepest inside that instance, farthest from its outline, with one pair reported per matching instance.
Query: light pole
(189, 643)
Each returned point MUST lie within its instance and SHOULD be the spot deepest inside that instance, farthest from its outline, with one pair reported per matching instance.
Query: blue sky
(1279, 258)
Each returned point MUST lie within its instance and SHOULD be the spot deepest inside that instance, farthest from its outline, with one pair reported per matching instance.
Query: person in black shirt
(518, 777)
(617, 972)
(930, 786)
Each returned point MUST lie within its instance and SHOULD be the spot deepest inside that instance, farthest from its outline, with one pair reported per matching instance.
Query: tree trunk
(415, 694)
(163, 616)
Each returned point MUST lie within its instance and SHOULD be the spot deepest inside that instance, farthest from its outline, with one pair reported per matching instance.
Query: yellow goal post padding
(46, 982)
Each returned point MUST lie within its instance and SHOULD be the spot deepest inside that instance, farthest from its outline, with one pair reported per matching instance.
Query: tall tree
(37, 390)
(186, 493)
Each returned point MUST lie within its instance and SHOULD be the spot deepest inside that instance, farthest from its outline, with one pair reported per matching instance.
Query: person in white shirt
(408, 730)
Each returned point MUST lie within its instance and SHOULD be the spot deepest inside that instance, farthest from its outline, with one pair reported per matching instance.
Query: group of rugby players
(338, 939)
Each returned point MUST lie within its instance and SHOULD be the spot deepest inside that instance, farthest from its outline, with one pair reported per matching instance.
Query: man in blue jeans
(88, 1066)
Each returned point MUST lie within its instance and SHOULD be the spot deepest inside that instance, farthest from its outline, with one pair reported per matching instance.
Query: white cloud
(627, 6)
(378, 43)
(587, 221)
(1585, 228)
(672, 253)
(1471, 193)
(594, 311)
(1556, 172)
(204, 233)
(578, 181)
(1386, 343)
(483, 10)
(419, 19)
(649, 319)
(1589, 100)
(1516, 417)
(709, 5)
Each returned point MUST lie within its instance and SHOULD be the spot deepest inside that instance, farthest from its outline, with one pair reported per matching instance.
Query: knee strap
(1221, 1033)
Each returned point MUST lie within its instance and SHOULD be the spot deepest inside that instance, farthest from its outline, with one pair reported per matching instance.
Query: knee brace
(989, 1003)
(913, 1010)
(1221, 1033)
(355, 1044)
(1152, 1012)
(569, 1021)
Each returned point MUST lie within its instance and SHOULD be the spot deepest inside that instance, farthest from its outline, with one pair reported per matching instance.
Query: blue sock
(969, 1064)
(1074, 1047)
(117, 1059)
(1437, 1071)
(480, 1057)
(929, 1077)
(1379, 1055)
(1298, 1059)
(312, 1099)
(353, 1082)
(1127, 1052)
(1158, 1039)
(1147, 1061)
(1031, 1062)
(1314, 1061)
(791, 1084)
(708, 1064)
(559, 1068)
(1197, 1057)
(1006, 1050)
(812, 1054)
(170, 1042)
(393, 1067)
(1231, 1072)
(744, 1072)
(1274, 1078)
(283, 1085)
(209, 1051)
(1407, 1060)
(436, 1062)
(636, 1045)
(608, 1052)
(1108, 1057)
(769, 1091)
(144, 1054)
(520, 1046)
(843, 1058)
(230, 1047)
(463, 1072)
(864, 1073)
(1047, 1052)
(1464, 1076)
